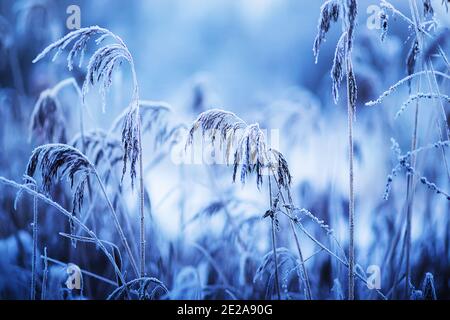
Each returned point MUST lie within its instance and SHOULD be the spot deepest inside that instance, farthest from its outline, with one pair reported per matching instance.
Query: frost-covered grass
(299, 192)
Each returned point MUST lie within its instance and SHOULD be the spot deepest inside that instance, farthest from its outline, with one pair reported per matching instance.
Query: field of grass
(257, 149)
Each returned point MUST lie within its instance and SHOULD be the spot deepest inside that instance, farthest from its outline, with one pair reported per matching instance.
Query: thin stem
(141, 168)
(410, 201)
(85, 272)
(346, 264)
(410, 179)
(117, 224)
(33, 263)
(351, 204)
(302, 262)
(323, 247)
(274, 245)
(141, 202)
(44, 275)
(213, 263)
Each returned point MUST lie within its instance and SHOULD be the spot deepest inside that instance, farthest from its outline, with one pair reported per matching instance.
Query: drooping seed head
(58, 161)
(329, 12)
(338, 68)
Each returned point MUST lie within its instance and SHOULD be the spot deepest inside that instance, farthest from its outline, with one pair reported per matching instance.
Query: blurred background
(254, 58)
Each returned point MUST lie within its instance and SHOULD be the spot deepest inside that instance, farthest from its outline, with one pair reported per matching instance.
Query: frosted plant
(63, 161)
(66, 161)
(102, 63)
(251, 156)
(404, 162)
(421, 24)
(347, 10)
(421, 95)
(397, 85)
(329, 12)
(154, 120)
(219, 125)
(245, 144)
(99, 71)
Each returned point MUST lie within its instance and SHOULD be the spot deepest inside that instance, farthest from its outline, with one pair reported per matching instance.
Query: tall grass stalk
(351, 204)
(117, 223)
(289, 206)
(411, 180)
(347, 10)
(44, 276)
(274, 243)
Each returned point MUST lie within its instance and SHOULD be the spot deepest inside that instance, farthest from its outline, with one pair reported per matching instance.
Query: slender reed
(35, 240)
(44, 276)
(274, 243)
(348, 11)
